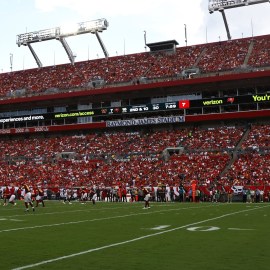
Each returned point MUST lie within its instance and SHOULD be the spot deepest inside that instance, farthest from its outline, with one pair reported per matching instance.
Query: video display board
(145, 108)
(247, 99)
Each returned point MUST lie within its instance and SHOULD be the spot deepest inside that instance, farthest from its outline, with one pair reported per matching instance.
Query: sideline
(99, 219)
(133, 240)
(87, 210)
(37, 213)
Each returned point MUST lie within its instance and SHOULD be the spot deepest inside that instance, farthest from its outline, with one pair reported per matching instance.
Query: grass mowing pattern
(121, 236)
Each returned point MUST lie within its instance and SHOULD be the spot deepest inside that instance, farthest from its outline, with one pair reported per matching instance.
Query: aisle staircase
(235, 152)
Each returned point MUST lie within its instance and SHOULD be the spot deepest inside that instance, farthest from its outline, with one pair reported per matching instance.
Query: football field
(116, 236)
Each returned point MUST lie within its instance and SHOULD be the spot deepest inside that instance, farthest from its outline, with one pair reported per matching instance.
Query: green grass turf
(116, 236)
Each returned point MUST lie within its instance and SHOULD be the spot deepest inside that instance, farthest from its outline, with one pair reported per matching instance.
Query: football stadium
(156, 160)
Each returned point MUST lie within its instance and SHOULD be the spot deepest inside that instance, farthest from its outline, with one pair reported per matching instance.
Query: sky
(130, 21)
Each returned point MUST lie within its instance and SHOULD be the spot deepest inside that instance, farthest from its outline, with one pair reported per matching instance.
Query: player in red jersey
(6, 195)
(39, 196)
(12, 196)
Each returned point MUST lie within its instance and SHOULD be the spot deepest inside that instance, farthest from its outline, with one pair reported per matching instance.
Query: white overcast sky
(128, 19)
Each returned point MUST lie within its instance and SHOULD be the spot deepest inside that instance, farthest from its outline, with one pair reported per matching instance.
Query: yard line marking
(203, 229)
(161, 227)
(239, 229)
(131, 240)
(9, 219)
(95, 219)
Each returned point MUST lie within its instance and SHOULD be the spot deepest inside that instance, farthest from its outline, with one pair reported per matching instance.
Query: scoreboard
(131, 109)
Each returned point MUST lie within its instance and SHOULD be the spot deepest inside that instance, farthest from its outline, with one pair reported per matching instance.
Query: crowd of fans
(212, 156)
(250, 169)
(226, 55)
(258, 138)
(260, 56)
(252, 166)
(212, 57)
(139, 158)
(214, 139)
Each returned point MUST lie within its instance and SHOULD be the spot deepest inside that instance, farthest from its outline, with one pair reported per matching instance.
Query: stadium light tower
(144, 39)
(185, 34)
(221, 5)
(61, 33)
(11, 61)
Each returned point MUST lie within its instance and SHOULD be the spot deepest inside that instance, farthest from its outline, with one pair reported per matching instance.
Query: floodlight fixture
(215, 5)
(60, 33)
(221, 5)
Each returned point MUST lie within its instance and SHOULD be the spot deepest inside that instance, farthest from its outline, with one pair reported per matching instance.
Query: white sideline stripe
(131, 240)
(64, 212)
(95, 219)
(85, 210)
